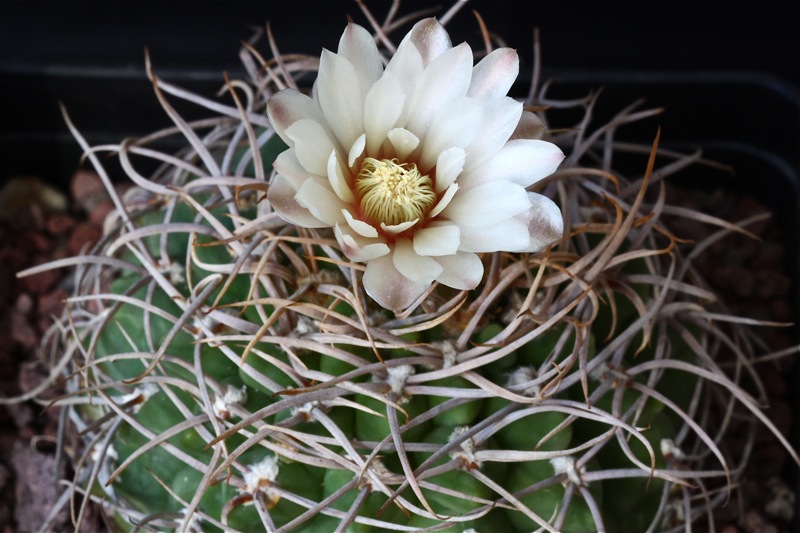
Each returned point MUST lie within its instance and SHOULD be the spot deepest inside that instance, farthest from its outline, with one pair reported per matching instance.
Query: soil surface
(40, 224)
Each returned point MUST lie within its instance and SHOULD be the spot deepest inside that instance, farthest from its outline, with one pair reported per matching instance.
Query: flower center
(393, 192)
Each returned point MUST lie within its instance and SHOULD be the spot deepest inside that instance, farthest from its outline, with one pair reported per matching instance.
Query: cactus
(226, 370)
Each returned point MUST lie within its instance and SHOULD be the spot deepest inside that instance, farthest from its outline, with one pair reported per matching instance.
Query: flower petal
(359, 226)
(406, 66)
(437, 240)
(455, 124)
(286, 107)
(463, 271)
(444, 80)
(544, 221)
(396, 229)
(340, 97)
(487, 204)
(337, 180)
(321, 201)
(448, 166)
(358, 47)
(417, 268)
(508, 235)
(290, 168)
(390, 288)
(494, 75)
(357, 249)
(403, 141)
(429, 38)
(312, 146)
(445, 200)
(356, 150)
(501, 117)
(530, 127)
(281, 198)
(382, 109)
(522, 161)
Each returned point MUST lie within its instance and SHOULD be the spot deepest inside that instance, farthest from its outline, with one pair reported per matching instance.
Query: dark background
(724, 69)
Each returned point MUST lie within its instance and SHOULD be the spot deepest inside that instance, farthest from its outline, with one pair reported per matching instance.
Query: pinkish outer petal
(287, 107)
(494, 75)
(530, 126)
(430, 38)
(463, 270)
(389, 287)
(281, 198)
(545, 222)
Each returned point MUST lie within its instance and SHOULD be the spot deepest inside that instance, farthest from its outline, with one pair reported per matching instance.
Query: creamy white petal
(340, 97)
(358, 47)
(445, 200)
(281, 198)
(290, 168)
(430, 38)
(396, 229)
(359, 226)
(500, 119)
(530, 127)
(522, 161)
(455, 124)
(417, 268)
(390, 288)
(449, 165)
(406, 66)
(356, 150)
(487, 204)
(321, 201)
(337, 180)
(494, 75)
(462, 271)
(437, 240)
(446, 79)
(286, 107)
(358, 249)
(544, 222)
(509, 235)
(312, 146)
(403, 141)
(382, 109)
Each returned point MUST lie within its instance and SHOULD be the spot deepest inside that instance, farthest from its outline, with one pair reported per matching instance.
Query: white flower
(418, 166)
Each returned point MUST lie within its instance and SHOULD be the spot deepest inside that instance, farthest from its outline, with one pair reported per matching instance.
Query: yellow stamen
(393, 192)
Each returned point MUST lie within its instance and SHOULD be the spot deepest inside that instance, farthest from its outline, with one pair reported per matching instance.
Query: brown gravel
(36, 225)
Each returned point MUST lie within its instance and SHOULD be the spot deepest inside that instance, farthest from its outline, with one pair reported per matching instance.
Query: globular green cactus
(227, 370)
